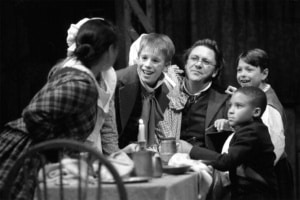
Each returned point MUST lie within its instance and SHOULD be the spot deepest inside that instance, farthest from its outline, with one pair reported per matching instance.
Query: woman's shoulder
(69, 83)
(68, 74)
(71, 90)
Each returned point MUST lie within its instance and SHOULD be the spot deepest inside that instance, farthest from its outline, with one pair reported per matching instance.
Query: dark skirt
(13, 144)
(284, 175)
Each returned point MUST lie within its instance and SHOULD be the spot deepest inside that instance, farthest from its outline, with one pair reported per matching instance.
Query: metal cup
(142, 163)
(167, 149)
(168, 145)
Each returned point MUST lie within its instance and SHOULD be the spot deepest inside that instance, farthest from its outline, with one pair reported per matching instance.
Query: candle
(141, 136)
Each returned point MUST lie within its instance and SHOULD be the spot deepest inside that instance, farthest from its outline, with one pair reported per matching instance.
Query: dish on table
(134, 179)
(175, 169)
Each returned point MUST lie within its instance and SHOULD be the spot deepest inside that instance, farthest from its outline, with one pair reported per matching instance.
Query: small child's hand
(230, 90)
(174, 72)
(175, 69)
(222, 125)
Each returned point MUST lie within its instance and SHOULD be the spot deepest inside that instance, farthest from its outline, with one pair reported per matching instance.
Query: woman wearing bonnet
(107, 140)
(71, 104)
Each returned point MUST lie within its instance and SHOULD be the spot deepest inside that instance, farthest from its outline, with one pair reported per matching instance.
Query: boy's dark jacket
(251, 147)
(127, 95)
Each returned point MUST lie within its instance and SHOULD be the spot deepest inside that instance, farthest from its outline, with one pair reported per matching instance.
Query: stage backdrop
(239, 25)
(33, 34)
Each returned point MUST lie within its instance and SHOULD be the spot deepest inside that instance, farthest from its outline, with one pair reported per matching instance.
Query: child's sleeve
(273, 120)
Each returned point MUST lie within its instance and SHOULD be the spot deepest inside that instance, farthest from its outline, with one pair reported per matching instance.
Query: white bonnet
(72, 33)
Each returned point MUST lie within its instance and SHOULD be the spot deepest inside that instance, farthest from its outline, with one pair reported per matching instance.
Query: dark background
(33, 37)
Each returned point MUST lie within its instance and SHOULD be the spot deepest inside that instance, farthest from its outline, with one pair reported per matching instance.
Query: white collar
(199, 92)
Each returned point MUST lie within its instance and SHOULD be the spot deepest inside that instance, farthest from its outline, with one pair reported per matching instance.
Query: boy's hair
(255, 57)
(257, 97)
(159, 42)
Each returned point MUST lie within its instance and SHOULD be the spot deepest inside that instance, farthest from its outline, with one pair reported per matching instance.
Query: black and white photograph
(150, 99)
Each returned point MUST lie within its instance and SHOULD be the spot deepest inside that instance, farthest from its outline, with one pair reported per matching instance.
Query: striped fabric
(64, 108)
(171, 125)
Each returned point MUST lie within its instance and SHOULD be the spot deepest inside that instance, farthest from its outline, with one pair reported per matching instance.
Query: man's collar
(197, 93)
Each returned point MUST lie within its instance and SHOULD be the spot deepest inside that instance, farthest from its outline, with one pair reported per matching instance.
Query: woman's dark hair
(255, 57)
(94, 38)
(211, 44)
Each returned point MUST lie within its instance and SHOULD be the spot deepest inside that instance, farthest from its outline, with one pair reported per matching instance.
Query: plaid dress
(64, 108)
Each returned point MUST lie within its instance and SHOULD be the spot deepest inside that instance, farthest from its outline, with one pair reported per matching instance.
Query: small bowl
(175, 170)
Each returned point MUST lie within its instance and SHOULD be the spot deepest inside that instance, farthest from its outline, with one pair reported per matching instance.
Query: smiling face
(200, 65)
(241, 109)
(151, 63)
(249, 75)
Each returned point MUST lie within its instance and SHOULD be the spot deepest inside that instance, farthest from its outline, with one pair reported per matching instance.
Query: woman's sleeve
(109, 132)
(55, 103)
